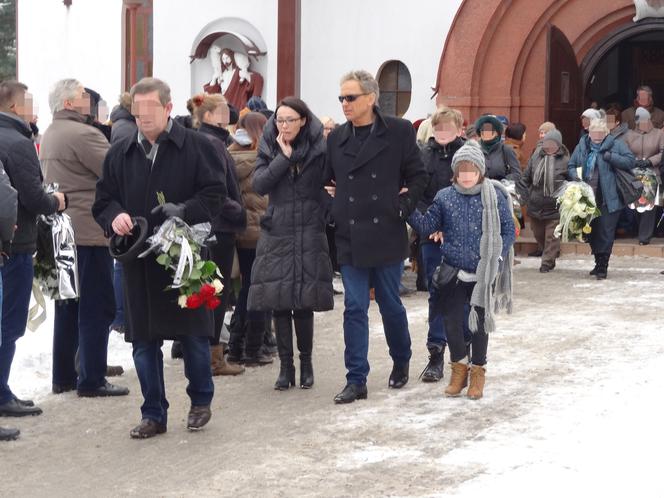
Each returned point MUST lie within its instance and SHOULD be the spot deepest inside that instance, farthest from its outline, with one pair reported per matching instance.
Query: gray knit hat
(555, 136)
(471, 152)
(641, 115)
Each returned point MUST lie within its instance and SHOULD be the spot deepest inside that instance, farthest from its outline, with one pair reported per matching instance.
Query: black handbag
(629, 187)
(443, 275)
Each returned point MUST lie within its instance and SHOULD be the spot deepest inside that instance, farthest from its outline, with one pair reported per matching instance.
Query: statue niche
(232, 78)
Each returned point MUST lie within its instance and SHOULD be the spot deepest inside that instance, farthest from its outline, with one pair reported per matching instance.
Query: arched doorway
(523, 58)
(636, 54)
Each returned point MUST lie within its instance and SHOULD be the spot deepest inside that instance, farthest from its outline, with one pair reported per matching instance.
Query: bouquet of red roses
(178, 248)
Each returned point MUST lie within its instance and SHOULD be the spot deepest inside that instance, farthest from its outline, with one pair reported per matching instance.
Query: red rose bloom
(194, 301)
(207, 291)
(212, 303)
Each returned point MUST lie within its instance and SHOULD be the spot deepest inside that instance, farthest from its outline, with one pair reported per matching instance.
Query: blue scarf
(589, 167)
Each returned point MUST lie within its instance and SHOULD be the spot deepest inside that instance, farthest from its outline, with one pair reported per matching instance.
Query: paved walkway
(573, 355)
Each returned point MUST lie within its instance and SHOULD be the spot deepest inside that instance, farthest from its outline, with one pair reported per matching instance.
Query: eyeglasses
(350, 98)
(288, 121)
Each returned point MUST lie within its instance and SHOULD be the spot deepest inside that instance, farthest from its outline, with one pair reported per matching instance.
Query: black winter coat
(540, 206)
(186, 170)
(367, 209)
(19, 157)
(501, 162)
(233, 217)
(437, 161)
(292, 269)
(124, 125)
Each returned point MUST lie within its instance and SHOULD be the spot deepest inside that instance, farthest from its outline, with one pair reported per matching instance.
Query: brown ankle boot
(476, 388)
(219, 364)
(458, 379)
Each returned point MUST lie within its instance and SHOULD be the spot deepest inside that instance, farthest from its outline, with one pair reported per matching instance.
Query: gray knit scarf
(493, 289)
(543, 174)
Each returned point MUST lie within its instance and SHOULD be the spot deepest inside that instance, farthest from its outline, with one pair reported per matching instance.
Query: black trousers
(223, 253)
(647, 222)
(604, 232)
(455, 297)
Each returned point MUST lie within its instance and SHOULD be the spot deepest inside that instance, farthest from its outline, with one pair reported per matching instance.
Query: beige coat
(72, 155)
(245, 164)
(647, 145)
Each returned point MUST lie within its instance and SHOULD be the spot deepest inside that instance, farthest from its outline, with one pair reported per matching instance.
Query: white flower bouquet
(577, 207)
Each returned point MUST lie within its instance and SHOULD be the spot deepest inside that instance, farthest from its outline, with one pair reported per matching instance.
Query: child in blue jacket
(474, 216)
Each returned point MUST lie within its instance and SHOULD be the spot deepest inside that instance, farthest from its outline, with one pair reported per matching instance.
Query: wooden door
(563, 87)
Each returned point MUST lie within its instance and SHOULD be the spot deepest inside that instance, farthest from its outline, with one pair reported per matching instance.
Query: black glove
(169, 210)
(607, 156)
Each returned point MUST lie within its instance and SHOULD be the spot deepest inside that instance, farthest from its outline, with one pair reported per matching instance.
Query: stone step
(621, 247)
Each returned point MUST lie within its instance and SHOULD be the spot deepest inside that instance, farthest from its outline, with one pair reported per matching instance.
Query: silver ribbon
(176, 231)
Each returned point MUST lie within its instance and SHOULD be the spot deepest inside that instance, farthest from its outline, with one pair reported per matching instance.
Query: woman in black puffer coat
(292, 274)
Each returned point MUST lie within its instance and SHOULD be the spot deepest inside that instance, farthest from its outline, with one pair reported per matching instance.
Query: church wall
(82, 42)
(346, 34)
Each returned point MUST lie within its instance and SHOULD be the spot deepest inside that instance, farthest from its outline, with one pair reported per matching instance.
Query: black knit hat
(492, 120)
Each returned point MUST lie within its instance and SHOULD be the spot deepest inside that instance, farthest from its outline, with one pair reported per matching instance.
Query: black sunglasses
(350, 98)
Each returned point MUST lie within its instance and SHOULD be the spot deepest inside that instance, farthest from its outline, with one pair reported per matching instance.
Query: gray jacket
(8, 207)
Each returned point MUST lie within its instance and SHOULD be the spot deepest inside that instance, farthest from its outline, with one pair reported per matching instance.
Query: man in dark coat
(181, 164)
(376, 166)
(19, 157)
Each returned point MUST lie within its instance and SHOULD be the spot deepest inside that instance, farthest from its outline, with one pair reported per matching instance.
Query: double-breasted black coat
(292, 269)
(368, 210)
(185, 170)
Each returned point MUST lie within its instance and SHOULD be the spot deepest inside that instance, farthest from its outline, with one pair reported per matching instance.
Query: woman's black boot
(284, 330)
(304, 331)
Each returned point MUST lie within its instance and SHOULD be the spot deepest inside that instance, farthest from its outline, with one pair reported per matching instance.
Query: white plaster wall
(82, 42)
(341, 35)
(179, 25)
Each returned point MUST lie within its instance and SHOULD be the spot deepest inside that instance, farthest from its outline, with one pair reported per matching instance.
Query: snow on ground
(572, 403)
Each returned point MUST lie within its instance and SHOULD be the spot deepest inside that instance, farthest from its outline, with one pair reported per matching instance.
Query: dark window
(395, 88)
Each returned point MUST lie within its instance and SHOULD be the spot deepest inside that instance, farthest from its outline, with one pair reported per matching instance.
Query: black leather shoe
(198, 417)
(147, 428)
(24, 402)
(257, 360)
(107, 389)
(14, 409)
(350, 393)
(62, 388)
(8, 433)
(399, 376)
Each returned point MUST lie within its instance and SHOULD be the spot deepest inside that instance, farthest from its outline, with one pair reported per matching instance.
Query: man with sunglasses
(376, 176)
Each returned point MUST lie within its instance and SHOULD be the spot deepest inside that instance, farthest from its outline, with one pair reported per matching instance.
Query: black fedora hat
(126, 248)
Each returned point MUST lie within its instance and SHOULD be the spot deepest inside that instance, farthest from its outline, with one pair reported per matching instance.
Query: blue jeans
(149, 363)
(83, 323)
(431, 259)
(385, 280)
(17, 277)
(119, 294)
